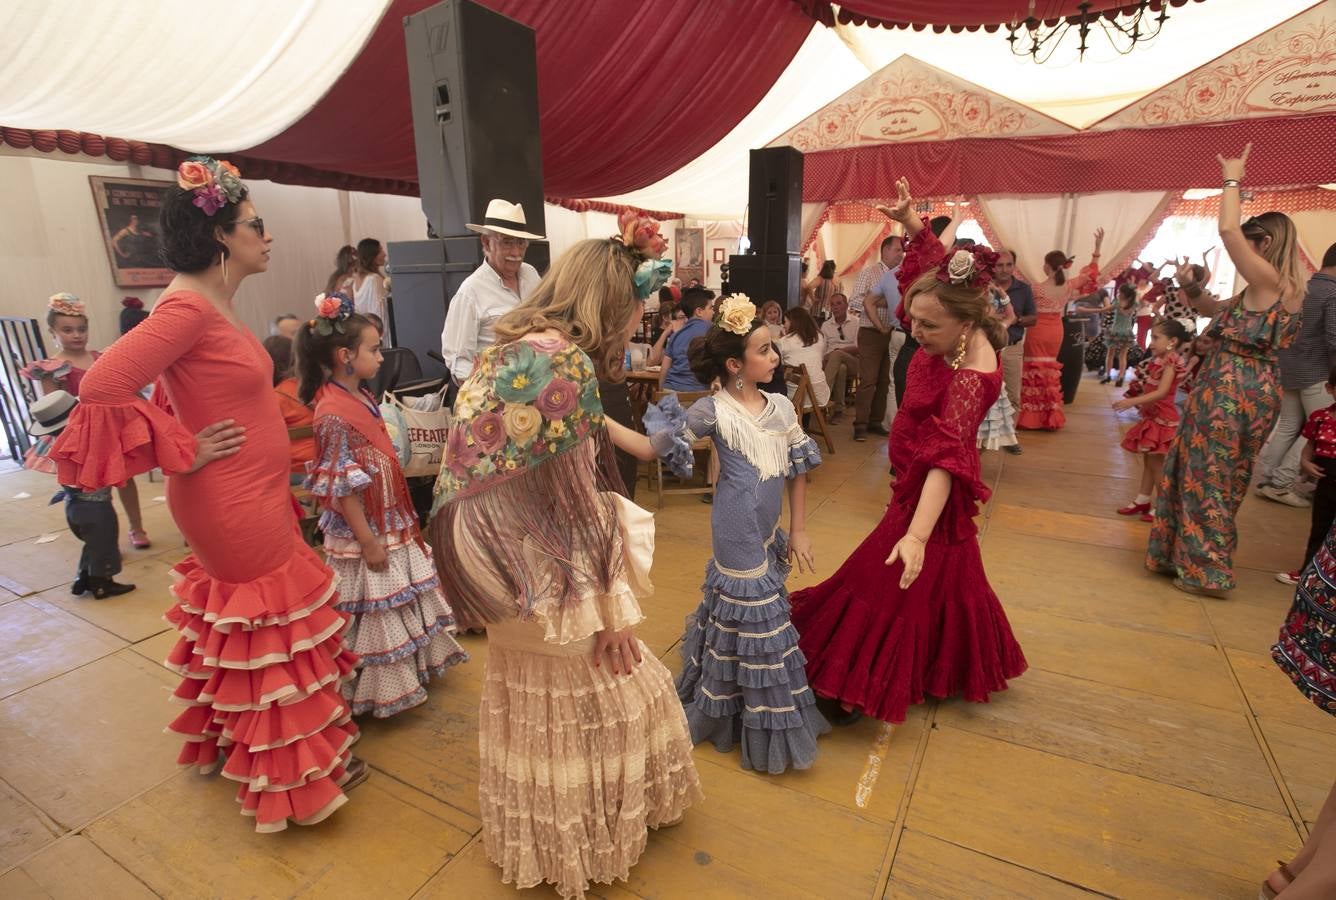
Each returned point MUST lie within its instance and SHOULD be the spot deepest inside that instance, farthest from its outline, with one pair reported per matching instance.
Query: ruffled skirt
(401, 627)
(998, 428)
(743, 678)
(1150, 435)
(1041, 378)
(261, 665)
(576, 763)
(881, 649)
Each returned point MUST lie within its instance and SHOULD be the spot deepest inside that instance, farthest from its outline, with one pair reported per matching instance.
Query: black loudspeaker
(473, 78)
(775, 201)
(766, 276)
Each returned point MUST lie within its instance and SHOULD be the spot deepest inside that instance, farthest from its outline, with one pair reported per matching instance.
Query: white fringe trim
(764, 448)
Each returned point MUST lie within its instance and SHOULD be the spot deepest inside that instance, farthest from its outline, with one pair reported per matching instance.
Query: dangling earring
(347, 368)
(222, 261)
(739, 384)
(959, 359)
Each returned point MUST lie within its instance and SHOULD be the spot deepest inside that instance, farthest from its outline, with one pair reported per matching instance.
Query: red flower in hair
(972, 266)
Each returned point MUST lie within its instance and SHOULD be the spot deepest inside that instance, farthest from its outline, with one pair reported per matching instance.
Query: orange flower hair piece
(66, 304)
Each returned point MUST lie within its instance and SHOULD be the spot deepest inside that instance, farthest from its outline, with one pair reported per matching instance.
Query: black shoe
(847, 718)
(707, 498)
(80, 585)
(860, 433)
(1119, 382)
(1106, 379)
(877, 430)
(1014, 449)
(106, 587)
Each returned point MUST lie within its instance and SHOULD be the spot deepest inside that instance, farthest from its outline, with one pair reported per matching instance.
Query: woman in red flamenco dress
(911, 612)
(260, 653)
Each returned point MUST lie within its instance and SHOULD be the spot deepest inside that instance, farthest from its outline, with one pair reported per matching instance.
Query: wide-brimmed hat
(51, 412)
(504, 217)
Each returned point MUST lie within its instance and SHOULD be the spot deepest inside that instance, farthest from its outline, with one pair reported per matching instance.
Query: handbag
(417, 427)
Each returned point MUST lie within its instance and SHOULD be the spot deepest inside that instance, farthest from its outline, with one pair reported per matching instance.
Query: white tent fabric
(198, 77)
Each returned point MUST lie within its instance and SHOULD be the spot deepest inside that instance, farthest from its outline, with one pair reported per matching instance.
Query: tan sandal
(1266, 892)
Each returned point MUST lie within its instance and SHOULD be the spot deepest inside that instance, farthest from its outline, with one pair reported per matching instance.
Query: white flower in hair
(736, 314)
(961, 267)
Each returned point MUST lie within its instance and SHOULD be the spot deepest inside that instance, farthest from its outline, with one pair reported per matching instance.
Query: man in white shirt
(499, 285)
(841, 334)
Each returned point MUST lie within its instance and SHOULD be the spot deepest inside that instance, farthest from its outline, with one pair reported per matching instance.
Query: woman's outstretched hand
(1099, 238)
(1232, 169)
(900, 212)
(218, 441)
(621, 648)
(908, 550)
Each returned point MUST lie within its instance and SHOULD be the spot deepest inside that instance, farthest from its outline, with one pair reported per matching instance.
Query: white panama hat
(504, 217)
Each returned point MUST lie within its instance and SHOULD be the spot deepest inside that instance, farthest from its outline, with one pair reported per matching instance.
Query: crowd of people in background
(531, 534)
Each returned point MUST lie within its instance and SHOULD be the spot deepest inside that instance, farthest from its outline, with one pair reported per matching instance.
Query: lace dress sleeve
(922, 254)
(948, 442)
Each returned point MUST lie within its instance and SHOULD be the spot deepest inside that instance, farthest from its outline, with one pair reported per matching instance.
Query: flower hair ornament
(214, 182)
(736, 314)
(66, 304)
(641, 236)
(972, 267)
(331, 313)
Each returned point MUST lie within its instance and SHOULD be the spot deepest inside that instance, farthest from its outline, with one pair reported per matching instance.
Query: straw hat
(504, 217)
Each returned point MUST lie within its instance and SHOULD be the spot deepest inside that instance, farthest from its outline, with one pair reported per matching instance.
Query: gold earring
(222, 261)
(959, 359)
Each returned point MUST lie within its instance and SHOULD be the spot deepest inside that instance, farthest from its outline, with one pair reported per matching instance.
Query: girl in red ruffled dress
(1154, 398)
(261, 653)
(911, 612)
(67, 321)
(401, 626)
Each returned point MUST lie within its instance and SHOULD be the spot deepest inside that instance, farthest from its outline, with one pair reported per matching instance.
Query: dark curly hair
(315, 352)
(188, 241)
(708, 356)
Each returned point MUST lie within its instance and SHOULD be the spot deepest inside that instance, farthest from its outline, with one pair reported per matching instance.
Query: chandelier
(1124, 29)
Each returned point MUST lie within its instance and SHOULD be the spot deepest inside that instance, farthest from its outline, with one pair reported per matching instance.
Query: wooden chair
(686, 398)
(804, 402)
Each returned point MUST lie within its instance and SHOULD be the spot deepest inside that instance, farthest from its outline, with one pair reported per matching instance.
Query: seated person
(697, 307)
(803, 344)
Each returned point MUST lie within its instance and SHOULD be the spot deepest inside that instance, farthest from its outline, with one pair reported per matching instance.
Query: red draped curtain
(960, 15)
(611, 122)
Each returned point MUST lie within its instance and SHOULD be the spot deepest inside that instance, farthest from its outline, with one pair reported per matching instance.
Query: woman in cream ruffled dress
(583, 743)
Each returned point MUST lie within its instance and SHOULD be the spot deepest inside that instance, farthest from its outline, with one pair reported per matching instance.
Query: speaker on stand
(771, 270)
(473, 81)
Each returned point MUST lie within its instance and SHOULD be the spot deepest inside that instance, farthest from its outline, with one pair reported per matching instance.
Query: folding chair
(804, 401)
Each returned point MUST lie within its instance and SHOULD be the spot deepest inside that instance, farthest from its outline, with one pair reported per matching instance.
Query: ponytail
(1058, 262)
(315, 352)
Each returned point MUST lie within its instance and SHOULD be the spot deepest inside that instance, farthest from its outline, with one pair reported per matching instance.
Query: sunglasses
(254, 222)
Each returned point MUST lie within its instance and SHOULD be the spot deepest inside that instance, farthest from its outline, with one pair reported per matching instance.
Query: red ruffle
(1041, 397)
(288, 593)
(108, 445)
(262, 664)
(1150, 436)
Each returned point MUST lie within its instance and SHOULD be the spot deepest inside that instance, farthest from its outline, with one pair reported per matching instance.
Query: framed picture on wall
(720, 255)
(689, 255)
(127, 209)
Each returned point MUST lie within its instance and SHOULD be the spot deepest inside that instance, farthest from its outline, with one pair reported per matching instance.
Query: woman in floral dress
(583, 744)
(1235, 401)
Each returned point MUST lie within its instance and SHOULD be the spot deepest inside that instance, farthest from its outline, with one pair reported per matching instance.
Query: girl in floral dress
(1153, 397)
(742, 678)
(1041, 379)
(67, 320)
(399, 624)
(1234, 404)
(583, 744)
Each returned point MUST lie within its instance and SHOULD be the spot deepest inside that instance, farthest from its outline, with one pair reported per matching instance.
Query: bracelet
(1233, 183)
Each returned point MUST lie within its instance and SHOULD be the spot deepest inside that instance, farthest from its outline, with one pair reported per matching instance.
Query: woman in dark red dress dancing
(911, 612)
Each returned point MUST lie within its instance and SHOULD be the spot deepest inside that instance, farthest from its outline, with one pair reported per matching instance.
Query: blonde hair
(1282, 253)
(961, 302)
(588, 295)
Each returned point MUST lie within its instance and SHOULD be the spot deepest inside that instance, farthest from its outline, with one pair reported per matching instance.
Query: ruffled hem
(265, 696)
(770, 749)
(1041, 397)
(803, 457)
(998, 430)
(344, 481)
(1150, 436)
(38, 458)
(103, 446)
(576, 765)
(57, 369)
(666, 424)
(387, 690)
(408, 576)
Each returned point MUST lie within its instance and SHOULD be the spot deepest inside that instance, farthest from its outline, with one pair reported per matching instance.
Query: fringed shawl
(764, 439)
(526, 458)
(388, 492)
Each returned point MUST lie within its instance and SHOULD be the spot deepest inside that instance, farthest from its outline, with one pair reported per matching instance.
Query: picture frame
(720, 255)
(689, 254)
(127, 211)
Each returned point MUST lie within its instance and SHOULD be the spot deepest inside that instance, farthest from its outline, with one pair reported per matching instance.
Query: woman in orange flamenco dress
(1041, 379)
(260, 653)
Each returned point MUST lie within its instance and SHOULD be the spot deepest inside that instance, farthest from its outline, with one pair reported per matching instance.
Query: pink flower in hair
(210, 199)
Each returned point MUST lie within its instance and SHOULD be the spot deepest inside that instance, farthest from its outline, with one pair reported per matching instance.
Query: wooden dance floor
(1152, 750)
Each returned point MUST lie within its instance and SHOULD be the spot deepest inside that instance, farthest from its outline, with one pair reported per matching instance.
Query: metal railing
(20, 345)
